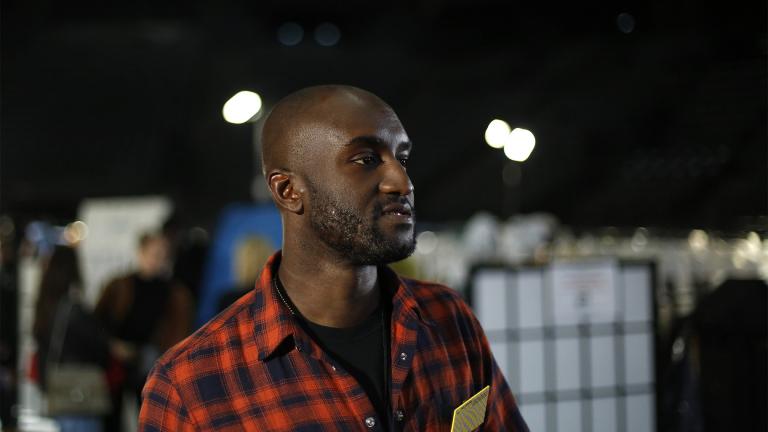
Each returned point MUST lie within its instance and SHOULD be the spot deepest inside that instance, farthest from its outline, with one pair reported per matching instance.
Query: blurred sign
(584, 292)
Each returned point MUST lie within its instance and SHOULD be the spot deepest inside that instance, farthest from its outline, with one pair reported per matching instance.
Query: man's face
(360, 195)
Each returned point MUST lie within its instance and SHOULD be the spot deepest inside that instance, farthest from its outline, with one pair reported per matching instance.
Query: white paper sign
(584, 292)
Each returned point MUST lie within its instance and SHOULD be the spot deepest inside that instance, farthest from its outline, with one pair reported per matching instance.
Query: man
(330, 338)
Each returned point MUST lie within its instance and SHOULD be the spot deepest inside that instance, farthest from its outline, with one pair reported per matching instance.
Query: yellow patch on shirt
(471, 414)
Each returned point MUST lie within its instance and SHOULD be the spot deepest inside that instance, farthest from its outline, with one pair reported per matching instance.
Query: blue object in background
(237, 221)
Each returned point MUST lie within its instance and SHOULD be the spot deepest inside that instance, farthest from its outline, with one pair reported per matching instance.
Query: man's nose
(396, 180)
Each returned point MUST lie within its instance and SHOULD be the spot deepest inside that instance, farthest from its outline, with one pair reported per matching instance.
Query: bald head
(305, 119)
(335, 159)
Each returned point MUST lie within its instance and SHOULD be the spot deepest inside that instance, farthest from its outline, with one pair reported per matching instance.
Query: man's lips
(397, 209)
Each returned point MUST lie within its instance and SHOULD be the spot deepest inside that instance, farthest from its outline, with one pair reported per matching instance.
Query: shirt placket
(358, 401)
(403, 348)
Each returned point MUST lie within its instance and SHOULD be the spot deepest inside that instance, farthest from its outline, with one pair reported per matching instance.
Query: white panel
(563, 306)
(638, 358)
(531, 366)
(567, 364)
(603, 367)
(500, 353)
(490, 299)
(637, 294)
(512, 319)
(569, 416)
(535, 416)
(604, 415)
(640, 413)
(529, 300)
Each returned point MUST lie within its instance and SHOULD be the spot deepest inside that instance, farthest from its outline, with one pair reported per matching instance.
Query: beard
(358, 240)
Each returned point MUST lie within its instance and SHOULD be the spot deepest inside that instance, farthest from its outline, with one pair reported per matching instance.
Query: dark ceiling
(664, 126)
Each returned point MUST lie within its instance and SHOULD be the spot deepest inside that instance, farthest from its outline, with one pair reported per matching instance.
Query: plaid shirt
(254, 368)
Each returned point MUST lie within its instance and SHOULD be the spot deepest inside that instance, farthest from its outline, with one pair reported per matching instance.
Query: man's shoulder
(436, 299)
(228, 331)
(427, 290)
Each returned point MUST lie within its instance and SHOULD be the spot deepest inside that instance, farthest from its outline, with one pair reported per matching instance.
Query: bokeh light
(290, 34)
(519, 144)
(327, 34)
(496, 133)
(625, 22)
(241, 107)
(426, 242)
(698, 240)
(75, 232)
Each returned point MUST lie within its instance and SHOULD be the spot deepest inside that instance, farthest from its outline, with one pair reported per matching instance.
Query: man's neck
(329, 293)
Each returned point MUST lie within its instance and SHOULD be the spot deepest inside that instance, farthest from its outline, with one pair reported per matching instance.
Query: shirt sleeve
(162, 408)
(502, 412)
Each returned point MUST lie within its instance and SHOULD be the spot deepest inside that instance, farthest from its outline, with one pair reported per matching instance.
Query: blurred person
(188, 252)
(144, 312)
(331, 338)
(250, 256)
(83, 342)
(715, 375)
(731, 330)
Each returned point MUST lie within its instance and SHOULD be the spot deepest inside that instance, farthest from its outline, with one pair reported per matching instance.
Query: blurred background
(621, 143)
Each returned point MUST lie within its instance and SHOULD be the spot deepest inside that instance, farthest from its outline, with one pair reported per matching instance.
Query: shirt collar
(405, 305)
(274, 323)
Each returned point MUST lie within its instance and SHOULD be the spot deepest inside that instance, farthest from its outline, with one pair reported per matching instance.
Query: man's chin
(387, 254)
(403, 251)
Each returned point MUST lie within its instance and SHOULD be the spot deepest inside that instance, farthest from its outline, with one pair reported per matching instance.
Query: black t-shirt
(362, 350)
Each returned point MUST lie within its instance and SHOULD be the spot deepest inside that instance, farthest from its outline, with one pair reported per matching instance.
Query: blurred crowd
(138, 316)
(90, 360)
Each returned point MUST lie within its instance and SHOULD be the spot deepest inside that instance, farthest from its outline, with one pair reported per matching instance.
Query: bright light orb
(241, 107)
(75, 232)
(426, 242)
(496, 133)
(519, 144)
(698, 240)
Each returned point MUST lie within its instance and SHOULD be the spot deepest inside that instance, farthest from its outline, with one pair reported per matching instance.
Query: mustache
(389, 201)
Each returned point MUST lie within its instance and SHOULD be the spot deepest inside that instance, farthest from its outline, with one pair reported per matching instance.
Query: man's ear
(286, 191)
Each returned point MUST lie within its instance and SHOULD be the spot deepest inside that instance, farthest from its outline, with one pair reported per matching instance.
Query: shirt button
(370, 422)
(403, 356)
(399, 415)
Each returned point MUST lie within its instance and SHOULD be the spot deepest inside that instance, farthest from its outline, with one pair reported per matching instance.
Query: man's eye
(366, 160)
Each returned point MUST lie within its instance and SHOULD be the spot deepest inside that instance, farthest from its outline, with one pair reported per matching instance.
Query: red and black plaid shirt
(254, 368)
